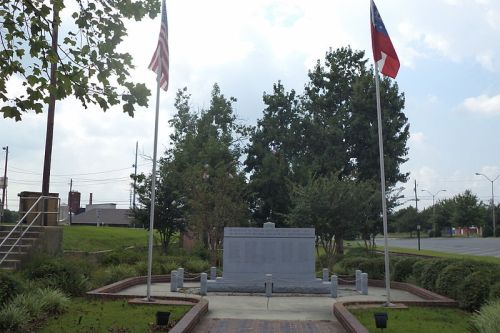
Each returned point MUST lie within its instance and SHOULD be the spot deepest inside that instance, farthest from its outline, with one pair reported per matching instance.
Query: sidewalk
(228, 313)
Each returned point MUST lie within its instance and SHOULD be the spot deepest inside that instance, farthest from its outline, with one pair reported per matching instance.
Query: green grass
(485, 259)
(109, 316)
(90, 239)
(417, 320)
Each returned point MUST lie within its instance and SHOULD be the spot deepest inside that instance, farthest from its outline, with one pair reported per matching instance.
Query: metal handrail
(19, 224)
(18, 239)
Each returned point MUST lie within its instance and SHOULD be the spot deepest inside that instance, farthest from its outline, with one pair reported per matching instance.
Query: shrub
(495, 292)
(431, 272)
(474, 290)
(351, 264)
(375, 268)
(141, 268)
(115, 273)
(70, 276)
(487, 319)
(196, 266)
(54, 301)
(31, 302)
(418, 268)
(121, 257)
(449, 279)
(12, 318)
(403, 268)
(10, 286)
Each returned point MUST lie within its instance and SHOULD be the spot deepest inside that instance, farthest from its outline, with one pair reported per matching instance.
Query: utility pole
(4, 187)
(49, 136)
(70, 201)
(135, 174)
(416, 209)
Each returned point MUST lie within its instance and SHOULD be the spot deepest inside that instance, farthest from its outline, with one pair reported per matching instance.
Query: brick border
(185, 325)
(430, 299)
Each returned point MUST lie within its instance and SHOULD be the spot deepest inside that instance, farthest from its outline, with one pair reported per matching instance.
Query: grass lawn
(115, 316)
(485, 259)
(417, 320)
(90, 239)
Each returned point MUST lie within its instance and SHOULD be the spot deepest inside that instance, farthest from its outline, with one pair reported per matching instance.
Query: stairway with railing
(17, 240)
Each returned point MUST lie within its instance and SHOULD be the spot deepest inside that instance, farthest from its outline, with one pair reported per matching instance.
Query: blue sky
(450, 58)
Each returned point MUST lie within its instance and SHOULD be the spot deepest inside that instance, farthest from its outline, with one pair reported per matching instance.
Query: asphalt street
(472, 246)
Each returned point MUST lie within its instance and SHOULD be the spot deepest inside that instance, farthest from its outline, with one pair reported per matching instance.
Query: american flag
(160, 59)
(383, 50)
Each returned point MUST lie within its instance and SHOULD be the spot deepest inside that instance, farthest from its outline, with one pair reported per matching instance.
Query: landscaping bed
(117, 316)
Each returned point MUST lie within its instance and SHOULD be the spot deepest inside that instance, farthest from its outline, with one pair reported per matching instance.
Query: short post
(334, 286)
(364, 283)
(358, 280)
(325, 274)
(180, 277)
(203, 284)
(213, 273)
(269, 285)
(173, 281)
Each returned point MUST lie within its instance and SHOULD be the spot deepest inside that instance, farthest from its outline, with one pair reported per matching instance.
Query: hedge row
(470, 282)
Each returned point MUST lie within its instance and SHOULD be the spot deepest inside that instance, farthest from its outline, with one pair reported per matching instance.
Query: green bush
(451, 276)
(118, 257)
(418, 268)
(54, 301)
(375, 268)
(70, 276)
(403, 268)
(33, 304)
(196, 266)
(141, 268)
(431, 272)
(474, 290)
(10, 286)
(351, 264)
(487, 320)
(13, 318)
(495, 292)
(113, 274)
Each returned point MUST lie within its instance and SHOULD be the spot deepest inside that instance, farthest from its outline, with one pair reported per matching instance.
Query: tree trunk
(339, 244)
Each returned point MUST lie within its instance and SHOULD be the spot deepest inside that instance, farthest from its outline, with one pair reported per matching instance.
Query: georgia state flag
(383, 51)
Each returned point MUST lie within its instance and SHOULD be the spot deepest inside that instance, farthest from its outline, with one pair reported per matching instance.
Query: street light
(434, 208)
(492, 201)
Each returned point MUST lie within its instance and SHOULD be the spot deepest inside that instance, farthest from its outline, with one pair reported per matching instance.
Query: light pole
(492, 200)
(4, 187)
(433, 207)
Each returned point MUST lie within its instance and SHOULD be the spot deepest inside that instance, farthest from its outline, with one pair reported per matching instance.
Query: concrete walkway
(280, 313)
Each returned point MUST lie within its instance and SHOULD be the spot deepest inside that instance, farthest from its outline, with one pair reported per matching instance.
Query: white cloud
(483, 104)
(486, 60)
(417, 139)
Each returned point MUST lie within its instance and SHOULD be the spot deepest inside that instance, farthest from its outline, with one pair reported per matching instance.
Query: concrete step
(10, 264)
(22, 241)
(8, 227)
(17, 248)
(27, 234)
(13, 255)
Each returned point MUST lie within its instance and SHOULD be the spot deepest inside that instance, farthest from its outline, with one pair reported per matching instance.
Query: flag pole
(153, 185)
(382, 186)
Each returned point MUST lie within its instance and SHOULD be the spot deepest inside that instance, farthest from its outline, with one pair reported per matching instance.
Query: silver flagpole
(382, 186)
(153, 183)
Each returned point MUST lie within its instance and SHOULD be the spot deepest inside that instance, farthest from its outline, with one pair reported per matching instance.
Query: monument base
(316, 286)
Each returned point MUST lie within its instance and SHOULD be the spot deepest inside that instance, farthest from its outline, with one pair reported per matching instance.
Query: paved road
(473, 246)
